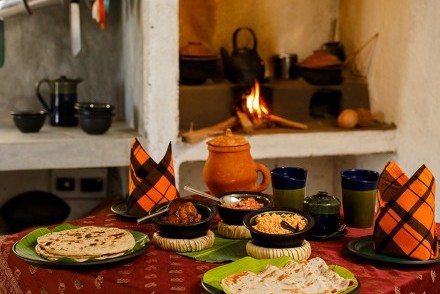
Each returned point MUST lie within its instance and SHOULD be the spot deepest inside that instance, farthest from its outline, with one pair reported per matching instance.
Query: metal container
(283, 65)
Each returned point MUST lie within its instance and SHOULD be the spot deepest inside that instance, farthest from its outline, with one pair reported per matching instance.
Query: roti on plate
(84, 243)
(312, 276)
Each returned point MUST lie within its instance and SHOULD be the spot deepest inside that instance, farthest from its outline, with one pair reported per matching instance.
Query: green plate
(24, 249)
(363, 247)
(211, 280)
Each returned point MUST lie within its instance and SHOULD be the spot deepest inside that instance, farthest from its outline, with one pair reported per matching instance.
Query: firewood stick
(287, 123)
(245, 122)
(200, 134)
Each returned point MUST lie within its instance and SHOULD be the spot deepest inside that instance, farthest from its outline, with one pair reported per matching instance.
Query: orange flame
(255, 105)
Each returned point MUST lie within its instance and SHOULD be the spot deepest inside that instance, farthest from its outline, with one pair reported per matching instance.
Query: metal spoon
(172, 207)
(285, 225)
(227, 199)
(341, 228)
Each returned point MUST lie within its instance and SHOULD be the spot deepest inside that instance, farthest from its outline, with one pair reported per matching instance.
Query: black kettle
(243, 66)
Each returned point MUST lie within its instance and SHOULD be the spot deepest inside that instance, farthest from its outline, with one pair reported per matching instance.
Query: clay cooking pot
(230, 167)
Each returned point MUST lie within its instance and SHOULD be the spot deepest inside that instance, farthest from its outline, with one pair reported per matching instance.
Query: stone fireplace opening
(280, 28)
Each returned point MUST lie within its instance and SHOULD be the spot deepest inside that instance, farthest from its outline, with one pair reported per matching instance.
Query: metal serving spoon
(172, 207)
(227, 199)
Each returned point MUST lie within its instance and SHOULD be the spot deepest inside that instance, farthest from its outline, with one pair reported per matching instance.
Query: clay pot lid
(228, 140)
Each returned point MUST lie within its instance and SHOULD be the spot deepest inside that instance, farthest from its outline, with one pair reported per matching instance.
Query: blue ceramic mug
(359, 193)
(289, 186)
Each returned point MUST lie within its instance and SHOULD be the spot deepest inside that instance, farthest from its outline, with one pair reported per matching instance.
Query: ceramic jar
(325, 210)
(230, 167)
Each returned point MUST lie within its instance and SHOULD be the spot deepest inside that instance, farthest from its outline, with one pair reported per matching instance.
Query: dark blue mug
(289, 186)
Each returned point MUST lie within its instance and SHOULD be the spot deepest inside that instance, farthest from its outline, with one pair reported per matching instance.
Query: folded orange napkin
(149, 183)
(405, 223)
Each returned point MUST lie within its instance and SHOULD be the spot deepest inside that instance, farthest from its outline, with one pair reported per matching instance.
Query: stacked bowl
(94, 117)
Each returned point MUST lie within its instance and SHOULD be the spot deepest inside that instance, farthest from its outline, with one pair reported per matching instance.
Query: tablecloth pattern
(159, 271)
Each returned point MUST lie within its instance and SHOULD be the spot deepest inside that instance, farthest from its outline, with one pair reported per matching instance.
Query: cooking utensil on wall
(75, 27)
(13, 7)
(2, 43)
(332, 46)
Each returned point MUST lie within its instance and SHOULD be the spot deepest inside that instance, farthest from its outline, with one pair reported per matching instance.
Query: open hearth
(294, 100)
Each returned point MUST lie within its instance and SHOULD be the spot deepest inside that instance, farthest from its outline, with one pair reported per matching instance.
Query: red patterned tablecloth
(159, 271)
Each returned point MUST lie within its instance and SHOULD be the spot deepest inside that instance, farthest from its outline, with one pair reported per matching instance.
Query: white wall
(403, 73)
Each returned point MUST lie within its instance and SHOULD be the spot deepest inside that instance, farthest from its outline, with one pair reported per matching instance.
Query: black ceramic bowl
(186, 231)
(278, 240)
(233, 216)
(196, 70)
(93, 107)
(95, 124)
(28, 121)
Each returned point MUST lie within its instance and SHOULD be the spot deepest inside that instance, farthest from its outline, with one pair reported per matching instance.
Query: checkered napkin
(149, 183)
(405, 223)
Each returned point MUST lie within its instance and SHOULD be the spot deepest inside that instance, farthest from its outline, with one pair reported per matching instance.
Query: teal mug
(289, 186)
(359, 194)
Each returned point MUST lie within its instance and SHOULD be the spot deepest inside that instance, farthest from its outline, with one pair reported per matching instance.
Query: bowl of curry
(192, 219)
(233, 214)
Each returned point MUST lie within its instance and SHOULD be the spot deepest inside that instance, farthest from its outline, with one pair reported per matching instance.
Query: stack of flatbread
(312, 276)
(84, 243)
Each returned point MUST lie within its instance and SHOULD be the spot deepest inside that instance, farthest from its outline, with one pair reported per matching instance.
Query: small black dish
(278, 240)
(328, 237)
(120, 208)
(28, 121)
(233, 216)
(186, 231)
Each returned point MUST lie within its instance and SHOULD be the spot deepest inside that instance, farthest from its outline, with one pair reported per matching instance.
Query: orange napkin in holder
(405, 223)
(149, 183)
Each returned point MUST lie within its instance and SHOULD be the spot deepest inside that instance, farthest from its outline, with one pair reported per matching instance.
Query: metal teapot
(243, 65)
(62, 100)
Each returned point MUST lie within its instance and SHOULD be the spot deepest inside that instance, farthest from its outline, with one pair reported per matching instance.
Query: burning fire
(254, 105)
(254, 112)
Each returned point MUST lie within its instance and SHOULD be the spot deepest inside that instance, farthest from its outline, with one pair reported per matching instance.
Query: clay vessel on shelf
(230, 166)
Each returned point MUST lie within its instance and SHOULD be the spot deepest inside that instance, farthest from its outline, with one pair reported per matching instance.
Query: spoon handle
(142, 219)
(200, 193)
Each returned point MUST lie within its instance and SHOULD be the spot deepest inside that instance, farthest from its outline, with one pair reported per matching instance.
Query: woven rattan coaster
(184, 245)
(299, 253)
(233, 231)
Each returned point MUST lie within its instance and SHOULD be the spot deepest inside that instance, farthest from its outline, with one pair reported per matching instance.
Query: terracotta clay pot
(230, 167)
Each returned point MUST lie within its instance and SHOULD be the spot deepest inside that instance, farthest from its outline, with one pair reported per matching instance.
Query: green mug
(359, 194)
(289, 187)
